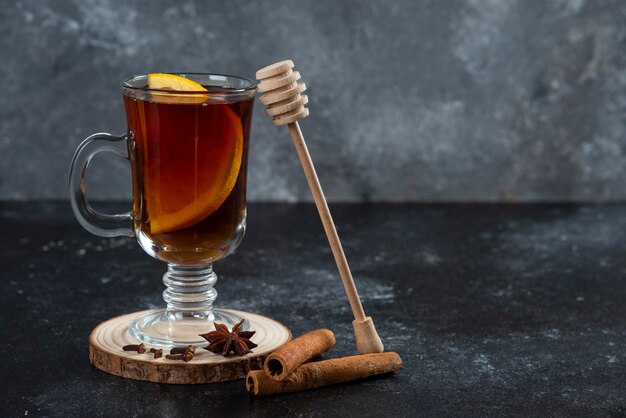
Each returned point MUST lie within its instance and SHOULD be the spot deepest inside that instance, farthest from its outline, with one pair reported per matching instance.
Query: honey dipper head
(282, 93)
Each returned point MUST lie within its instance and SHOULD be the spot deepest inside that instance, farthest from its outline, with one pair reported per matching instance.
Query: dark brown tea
(189, 160)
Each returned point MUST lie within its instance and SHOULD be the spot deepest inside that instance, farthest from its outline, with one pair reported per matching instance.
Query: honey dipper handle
(327, 221)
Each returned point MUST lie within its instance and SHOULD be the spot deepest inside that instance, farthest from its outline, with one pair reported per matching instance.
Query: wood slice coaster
(108, 338)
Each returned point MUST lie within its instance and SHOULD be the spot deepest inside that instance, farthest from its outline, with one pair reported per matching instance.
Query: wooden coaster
(108, 338)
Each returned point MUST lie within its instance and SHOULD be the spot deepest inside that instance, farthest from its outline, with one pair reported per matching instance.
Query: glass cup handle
(93, 221)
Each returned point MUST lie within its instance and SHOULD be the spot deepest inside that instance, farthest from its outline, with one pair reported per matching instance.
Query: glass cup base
(179, 328)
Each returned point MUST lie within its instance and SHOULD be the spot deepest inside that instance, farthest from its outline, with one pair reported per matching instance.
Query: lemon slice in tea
(197, 165)
(163, 81)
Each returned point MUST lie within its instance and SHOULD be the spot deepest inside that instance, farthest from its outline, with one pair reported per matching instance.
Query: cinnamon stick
(284, 361)
(323, 373)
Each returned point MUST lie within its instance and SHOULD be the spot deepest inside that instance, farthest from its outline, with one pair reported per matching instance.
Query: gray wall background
(475, 100)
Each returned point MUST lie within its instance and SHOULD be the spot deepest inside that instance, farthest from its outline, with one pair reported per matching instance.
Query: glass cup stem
(189, 295)
(189, 289)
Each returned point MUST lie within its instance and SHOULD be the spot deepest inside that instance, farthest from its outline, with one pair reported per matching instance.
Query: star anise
(221, 341)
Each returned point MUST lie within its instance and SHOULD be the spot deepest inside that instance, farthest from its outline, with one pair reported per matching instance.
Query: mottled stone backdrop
(410, 100)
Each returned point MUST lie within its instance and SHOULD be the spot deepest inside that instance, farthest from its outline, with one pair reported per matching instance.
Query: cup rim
(225, 91)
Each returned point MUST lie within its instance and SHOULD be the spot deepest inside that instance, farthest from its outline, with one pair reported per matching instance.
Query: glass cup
(188, 153)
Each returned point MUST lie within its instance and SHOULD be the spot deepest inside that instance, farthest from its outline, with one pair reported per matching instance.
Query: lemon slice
(174, 208)
(171, 205)
(162, 81)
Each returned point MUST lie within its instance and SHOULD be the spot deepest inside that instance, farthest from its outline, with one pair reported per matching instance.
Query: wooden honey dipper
(286, 106)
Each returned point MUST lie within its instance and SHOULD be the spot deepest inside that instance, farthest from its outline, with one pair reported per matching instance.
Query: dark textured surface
(410, 100)
(495, 310)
